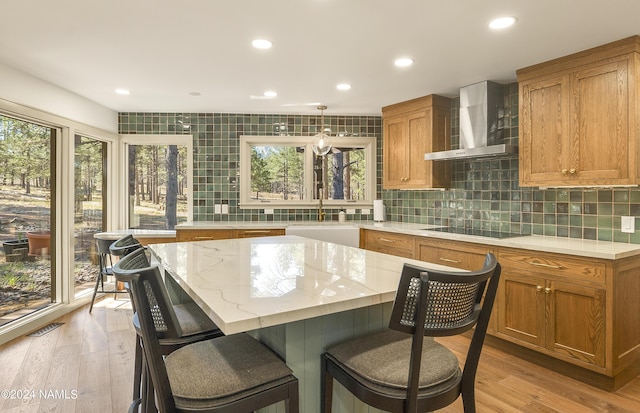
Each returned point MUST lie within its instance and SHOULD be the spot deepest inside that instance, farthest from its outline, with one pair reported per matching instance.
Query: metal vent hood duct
(481, 125)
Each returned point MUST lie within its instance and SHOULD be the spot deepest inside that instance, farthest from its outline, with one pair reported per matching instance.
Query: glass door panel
(27, 194)
(89, 209)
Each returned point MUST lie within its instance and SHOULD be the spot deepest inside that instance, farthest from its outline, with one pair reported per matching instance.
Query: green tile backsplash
(484, 195)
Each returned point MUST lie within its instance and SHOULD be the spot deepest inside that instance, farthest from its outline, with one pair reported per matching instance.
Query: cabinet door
(600, 124)
(522, 307)
(252, 233)
(396, 142)
(452, 254)
(389, 243)
(419, 137)
(203, 234)
(576, 321)
(544, 136)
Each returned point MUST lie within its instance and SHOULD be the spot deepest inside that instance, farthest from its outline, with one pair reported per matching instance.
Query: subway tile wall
(484, 195)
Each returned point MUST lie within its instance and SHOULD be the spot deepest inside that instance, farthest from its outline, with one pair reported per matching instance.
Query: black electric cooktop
(478, 232)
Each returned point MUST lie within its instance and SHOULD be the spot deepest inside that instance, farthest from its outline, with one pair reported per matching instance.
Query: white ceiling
(163, 50)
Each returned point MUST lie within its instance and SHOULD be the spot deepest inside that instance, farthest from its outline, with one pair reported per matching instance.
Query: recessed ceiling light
(343, 86)
(270, 94)
(403, 62)
(262, 44)
(502, 22)
(122, 92)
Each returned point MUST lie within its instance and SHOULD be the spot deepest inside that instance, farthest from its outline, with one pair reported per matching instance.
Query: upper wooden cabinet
(578, 124)
(410, 129)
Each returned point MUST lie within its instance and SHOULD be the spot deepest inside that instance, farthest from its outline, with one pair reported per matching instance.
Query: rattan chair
(397, 369)
(233, 373)
(105, 269)
(188, 324)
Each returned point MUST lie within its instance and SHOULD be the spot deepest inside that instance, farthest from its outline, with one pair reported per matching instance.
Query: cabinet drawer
(251, 233)
(452, 254)
(203, 234)
(572, 268)
(389, 243)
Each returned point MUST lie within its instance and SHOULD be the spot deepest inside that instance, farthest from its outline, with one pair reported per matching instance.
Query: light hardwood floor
(92, 354)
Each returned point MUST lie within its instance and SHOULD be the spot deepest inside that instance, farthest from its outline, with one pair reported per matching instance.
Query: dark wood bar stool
(190, 324)
(233, 373)
(397, 370)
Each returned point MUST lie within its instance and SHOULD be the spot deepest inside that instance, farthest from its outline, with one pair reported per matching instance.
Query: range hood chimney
(481, 125)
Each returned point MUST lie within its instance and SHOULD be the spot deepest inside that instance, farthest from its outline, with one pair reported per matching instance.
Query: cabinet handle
(572, 171)
(256, 231)
(547, 290)
(202, 238)
(564, 171)
(450, 260)
(386, 240)
(538, 288)
(540, 264)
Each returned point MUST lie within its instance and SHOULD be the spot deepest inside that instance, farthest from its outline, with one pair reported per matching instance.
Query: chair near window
(233, 373)
(190, 325)
(398, 370)
(124, 246)
(105, 263)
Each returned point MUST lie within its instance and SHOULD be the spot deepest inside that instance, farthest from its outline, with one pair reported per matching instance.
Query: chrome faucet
(321, 213)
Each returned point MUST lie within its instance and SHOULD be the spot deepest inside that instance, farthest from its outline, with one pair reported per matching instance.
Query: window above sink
(283, 171)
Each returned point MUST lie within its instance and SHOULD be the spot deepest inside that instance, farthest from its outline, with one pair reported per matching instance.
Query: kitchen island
(297, 295)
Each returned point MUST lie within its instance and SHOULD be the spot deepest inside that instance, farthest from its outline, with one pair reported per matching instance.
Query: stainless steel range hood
(481, 125)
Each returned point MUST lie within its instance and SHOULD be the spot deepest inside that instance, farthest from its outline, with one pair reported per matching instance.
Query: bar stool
(105, 263)
(190, 321)
(234, 373)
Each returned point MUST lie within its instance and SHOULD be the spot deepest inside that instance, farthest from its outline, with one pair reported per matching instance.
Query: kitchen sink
(343, 234)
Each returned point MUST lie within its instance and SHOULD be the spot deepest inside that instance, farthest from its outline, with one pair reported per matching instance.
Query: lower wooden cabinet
(555, 304)
(225, 233)
(388, 242)
(455, 254)
(252, 233)
(555, 307)
(203, 234)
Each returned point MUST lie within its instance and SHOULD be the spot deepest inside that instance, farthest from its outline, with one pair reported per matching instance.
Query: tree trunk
(172, 187)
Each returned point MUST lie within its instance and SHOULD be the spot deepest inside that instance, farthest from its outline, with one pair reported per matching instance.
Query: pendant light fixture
(321, 141)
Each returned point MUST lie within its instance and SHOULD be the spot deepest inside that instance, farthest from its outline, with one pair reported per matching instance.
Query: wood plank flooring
(86, 365)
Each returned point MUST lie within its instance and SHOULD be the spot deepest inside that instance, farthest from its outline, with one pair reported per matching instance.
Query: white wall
(24, 89)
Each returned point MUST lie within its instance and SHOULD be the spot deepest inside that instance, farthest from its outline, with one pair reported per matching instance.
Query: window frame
(309, 201)
(142, 139)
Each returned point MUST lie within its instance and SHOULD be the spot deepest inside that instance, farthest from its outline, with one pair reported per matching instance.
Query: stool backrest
(124, 245)
(130, 268)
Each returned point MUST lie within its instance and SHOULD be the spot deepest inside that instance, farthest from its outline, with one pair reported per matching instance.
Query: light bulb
(321, 144)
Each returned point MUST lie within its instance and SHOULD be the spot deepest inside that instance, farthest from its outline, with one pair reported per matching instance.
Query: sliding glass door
(28, 280)
(90, 206)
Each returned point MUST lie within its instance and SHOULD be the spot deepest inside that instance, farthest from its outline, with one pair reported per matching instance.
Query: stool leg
(95, 291)
(137, 369)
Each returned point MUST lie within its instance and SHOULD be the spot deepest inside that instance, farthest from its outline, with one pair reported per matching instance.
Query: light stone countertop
(572, 246)
(137, 233)
(251, 283)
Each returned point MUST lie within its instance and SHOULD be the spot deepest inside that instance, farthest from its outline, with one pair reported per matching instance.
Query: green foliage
(25, 152)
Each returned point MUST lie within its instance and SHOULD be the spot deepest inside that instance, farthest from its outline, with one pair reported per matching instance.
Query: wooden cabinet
(577, 118)
(388, 242)
(554, 303)
(203, 234)
(184, 234)
(410, 129)
(251, 233)
(454, 254)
